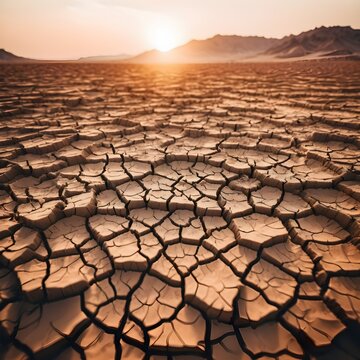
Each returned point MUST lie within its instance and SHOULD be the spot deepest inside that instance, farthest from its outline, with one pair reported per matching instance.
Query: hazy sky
(65, 29)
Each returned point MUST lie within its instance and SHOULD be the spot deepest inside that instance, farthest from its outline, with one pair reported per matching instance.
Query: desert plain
(180, 211)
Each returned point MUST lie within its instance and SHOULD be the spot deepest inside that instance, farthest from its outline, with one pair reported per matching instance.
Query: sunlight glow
(164, 37)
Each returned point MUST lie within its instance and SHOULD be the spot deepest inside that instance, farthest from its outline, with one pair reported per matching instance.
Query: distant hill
(105, 58)
(6, 56)
(220, 48)
(319, 42)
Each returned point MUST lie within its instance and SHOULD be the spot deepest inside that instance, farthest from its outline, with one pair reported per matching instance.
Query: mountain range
(322, 42)
(220, 48)
(6, 56)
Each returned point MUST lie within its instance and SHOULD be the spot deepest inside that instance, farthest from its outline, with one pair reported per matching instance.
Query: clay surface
(180, 212)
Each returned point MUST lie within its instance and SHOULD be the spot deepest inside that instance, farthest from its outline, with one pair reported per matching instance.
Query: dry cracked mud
(180, 212)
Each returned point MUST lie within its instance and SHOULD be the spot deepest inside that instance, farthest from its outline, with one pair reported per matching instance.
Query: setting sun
(164, 37)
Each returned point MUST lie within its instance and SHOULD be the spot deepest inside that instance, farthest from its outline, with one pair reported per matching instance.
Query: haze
(69, 29)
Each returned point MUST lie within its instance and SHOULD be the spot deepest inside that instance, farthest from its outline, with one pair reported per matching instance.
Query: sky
(69, 29)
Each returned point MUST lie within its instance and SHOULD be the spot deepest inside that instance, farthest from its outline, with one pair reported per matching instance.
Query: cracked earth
(208, 211)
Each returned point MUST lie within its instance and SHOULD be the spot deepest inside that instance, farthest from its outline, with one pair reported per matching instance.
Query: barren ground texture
(180, 212)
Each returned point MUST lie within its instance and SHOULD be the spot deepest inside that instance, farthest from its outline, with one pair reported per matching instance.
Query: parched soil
(180, 211)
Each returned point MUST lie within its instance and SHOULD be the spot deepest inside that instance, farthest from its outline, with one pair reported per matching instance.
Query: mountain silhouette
(323, 42)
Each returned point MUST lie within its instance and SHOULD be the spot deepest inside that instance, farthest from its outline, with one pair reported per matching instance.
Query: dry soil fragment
(185, 332)
(154, 301)
(31, 276)
(81, 205)
(106, 227)
(290, 258)
(125, 252)
(235, 203)
(339, 259)
(313, 318)
(220, 241)
(239, 258)
(108, 203)
(258, 230)
(253, 308)
(265, 199)
(39, 215)
(344, 292)
(96, 343)
(292, 206)
(258, 340)
(334, 204)
(21, 247)
(212, 287)
(43, 330)
(66, 235)
(277, 286)
(164, 270)
(317, 228)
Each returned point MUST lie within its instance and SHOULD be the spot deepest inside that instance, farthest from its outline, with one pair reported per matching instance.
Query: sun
(164, 37)
(164, 41)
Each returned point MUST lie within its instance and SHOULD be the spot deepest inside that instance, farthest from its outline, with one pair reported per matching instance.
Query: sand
(193, 211)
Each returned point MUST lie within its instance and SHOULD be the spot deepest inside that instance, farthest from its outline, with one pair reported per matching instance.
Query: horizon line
(129, 56)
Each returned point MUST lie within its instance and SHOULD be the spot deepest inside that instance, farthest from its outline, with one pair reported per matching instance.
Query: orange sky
(68, 29)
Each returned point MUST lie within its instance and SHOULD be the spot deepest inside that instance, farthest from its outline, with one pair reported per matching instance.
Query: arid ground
(180, 212)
